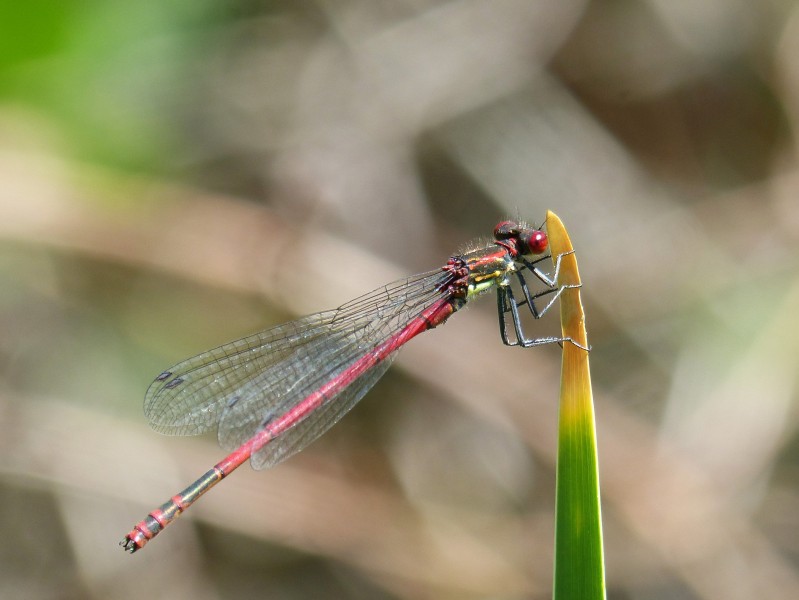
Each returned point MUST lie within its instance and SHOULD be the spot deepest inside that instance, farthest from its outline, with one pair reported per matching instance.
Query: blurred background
(177, 174)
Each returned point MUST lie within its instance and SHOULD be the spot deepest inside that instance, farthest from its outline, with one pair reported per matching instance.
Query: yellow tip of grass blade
(579, 564)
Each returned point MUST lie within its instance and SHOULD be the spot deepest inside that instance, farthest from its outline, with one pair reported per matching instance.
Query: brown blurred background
(176, 174)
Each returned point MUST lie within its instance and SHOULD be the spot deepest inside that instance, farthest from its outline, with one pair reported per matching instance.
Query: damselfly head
(528, 240)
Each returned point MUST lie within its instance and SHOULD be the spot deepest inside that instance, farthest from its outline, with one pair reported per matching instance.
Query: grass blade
(579, 565)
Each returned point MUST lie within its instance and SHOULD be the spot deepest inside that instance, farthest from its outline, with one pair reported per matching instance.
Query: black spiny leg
(506, 302)
(502, 307)
(550, 280)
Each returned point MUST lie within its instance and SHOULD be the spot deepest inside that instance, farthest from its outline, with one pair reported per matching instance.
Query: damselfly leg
(507, 303)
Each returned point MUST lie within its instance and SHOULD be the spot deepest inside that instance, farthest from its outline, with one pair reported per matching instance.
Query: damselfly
(273, 393)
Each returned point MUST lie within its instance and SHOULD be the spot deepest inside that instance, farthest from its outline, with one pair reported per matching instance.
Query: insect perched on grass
(271, 394)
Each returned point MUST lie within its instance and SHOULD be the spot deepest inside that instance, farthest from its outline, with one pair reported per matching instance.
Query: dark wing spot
(232, 402)
(163, 376)
(174, 383)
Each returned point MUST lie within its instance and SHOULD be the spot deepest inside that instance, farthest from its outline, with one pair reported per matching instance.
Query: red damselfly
(271, 394)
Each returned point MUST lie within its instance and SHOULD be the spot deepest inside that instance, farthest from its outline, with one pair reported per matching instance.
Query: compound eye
(534, 242)
(505, 230)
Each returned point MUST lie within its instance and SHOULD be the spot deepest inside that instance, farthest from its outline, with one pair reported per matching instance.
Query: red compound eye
(505, 230)
(534, 242)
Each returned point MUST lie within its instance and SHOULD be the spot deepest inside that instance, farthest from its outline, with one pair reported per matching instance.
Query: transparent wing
(240, 386)
(188, 398)
(319, 421)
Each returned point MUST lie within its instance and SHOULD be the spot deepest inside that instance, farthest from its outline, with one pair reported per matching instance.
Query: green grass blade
(579, 565)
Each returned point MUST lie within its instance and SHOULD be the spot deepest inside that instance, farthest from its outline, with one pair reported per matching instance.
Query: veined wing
(240, 386)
